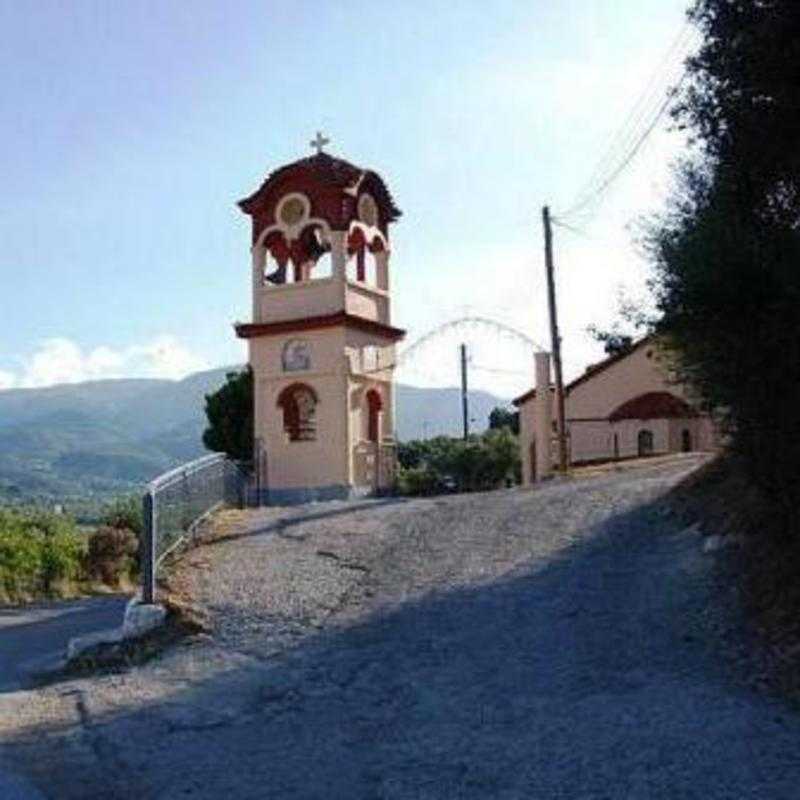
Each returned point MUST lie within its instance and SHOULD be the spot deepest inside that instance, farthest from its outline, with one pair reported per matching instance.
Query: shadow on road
(586, 676)
(284, 523)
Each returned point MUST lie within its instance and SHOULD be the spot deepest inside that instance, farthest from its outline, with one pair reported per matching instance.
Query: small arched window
(299, 405)
(374, 408)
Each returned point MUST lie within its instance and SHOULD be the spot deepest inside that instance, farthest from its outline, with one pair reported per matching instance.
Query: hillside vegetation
(79, 444)
(43, 554)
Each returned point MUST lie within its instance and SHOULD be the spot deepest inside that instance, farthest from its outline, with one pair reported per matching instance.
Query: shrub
(125, 513)
(60, 557)
(441, 464)
(20, 561)
(418, 481)
(111, 555)
(37, 549)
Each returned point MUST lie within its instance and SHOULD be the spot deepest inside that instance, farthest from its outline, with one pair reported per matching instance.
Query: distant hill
(104, 437)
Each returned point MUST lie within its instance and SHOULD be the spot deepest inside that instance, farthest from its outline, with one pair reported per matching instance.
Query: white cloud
(165, 357)
(7, 380)
(60, 360)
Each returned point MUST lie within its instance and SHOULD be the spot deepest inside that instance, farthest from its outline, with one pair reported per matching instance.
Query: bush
(37, 550)
(441, 464)
(111, 555)
(125, 513)
(20, 560)
(418, 481)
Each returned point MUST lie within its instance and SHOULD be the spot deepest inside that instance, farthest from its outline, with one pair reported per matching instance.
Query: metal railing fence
(176, 501)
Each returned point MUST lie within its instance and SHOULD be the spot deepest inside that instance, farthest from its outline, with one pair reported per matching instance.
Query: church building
(321, 343)
(629, 405)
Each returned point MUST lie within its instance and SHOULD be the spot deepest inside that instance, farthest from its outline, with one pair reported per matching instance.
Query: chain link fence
(176, 501)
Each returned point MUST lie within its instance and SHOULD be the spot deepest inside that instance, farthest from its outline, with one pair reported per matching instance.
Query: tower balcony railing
(367, 301)
(289, 301)
(320, 297)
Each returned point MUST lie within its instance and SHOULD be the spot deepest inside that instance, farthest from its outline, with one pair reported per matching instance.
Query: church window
(299, 405)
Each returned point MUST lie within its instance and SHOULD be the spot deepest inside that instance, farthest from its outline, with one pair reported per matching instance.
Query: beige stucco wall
(318, 463)
(646, 369)
(341, 376)
(320, 297)
(291, 301)
(367, 301)
(589, 404)
(527, 430)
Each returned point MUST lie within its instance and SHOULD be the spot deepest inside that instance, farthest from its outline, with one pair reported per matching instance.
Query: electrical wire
(638, 126)
(654, 90)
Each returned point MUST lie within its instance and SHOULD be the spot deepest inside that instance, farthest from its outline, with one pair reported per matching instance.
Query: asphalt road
(31, 636)
(547, 644)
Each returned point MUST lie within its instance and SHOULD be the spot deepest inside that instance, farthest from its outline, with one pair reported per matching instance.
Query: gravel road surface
(547, 643)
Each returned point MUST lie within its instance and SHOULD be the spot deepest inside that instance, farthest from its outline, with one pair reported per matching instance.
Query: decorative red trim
(249, 330)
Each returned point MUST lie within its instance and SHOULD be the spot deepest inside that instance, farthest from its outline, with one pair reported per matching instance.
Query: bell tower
(321, 344)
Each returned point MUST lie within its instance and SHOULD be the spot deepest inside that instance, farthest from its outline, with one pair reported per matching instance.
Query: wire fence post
(149, 549)
(174, 505)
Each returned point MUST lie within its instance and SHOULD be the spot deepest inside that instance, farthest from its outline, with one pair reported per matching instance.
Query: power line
(631, 126)
(499, 370)
(639, 124)
(637, 119)
(631, 154)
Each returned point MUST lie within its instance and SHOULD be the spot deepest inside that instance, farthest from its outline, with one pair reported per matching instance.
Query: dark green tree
(500, 417)
(727, 250)
(230, 416)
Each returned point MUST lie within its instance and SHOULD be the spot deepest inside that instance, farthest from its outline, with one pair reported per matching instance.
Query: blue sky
(132, 128)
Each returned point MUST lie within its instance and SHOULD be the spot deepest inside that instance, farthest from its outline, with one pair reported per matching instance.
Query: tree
(504, 418)
(230, 416)
(727, 249)
(614, 344)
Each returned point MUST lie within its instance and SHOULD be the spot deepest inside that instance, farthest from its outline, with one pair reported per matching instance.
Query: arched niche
(298, 403)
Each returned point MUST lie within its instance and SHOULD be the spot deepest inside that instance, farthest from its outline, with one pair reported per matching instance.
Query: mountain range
(106, 437)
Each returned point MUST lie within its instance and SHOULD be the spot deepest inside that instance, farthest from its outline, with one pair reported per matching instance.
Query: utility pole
(464, 404)
(555, 339)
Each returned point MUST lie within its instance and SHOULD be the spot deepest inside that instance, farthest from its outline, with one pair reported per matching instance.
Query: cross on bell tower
(319, 142)
(321, 343)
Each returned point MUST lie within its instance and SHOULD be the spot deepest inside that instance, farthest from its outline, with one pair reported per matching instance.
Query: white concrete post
(338, 255)
(543, 412)
(382, 270)
(259, 260)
